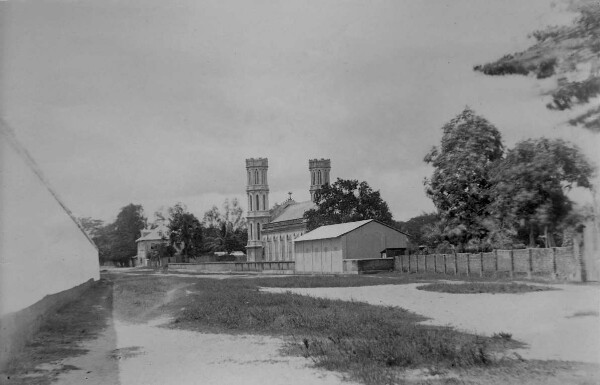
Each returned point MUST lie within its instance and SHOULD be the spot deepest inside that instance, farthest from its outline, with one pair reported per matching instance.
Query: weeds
(479, 287)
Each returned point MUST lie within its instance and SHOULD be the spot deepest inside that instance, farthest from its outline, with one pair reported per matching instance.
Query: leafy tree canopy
(416, 228)
(564, 52)
(225, 229)
(185, 230)
(347, 201)
(460, 184)
(530, 185)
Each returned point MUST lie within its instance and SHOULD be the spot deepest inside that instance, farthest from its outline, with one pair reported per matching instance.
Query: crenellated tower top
(319, 174)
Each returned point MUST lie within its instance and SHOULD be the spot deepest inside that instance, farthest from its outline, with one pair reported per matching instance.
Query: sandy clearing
(543, 320)
(147, 354)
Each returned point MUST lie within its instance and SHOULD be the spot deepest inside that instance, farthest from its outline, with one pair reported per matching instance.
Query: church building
(271, 231)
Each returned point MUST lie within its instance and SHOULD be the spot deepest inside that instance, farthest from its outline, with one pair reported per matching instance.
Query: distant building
(148, 241)
(271, 231)
(325, 249)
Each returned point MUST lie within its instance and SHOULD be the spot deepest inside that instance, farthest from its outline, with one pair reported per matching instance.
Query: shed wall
(369, 240)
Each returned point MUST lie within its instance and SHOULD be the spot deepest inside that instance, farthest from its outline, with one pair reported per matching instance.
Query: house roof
(293, 211)
(156, 234)
(332, 231)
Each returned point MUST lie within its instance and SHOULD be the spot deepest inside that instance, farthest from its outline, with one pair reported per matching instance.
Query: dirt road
(560, 324)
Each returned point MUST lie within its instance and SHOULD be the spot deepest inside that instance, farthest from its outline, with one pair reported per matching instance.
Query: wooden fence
(556, 262)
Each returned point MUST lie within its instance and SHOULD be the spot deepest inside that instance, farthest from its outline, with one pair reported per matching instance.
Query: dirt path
(557, 325)
(145, 353)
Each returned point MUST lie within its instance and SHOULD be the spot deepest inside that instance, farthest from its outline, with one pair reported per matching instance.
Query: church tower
(319, 174)
(257, 190)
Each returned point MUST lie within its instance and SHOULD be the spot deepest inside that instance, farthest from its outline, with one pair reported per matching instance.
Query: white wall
(42, 251)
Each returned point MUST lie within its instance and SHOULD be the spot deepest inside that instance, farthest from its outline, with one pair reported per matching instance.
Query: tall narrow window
(258, 231)
(257, 202)
(256, 177)
(264, 202)
(250, 205)
(312, 174)
(249, 179)
(251, 225)
(319, 178)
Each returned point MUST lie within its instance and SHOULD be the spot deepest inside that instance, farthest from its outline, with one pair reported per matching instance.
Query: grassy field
(482, 287)
(371, 344)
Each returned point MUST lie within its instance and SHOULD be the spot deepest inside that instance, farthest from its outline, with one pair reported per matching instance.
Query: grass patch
(60, 337)
(368, 342)
(482, 287)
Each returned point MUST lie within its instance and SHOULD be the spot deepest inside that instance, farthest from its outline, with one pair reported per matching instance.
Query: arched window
(264, 202)
(312, 174)
(264, 176)
(319, 178)
(258, 231)
(257, 202)
(251, 225)
(250, 205)
(255, 176)
(249, 181)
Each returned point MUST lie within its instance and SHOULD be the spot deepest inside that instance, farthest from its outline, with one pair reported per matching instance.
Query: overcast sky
(156, 102)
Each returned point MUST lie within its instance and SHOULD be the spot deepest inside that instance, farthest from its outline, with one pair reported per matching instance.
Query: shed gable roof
(334, 231)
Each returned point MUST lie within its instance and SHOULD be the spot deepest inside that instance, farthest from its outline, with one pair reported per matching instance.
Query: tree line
(220, 230)
(489, 197)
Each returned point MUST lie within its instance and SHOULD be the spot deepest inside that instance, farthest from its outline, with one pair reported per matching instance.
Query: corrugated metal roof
(294, 211)
(331, 231)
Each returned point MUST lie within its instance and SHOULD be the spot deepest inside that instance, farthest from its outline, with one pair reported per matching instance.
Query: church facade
(272, 230)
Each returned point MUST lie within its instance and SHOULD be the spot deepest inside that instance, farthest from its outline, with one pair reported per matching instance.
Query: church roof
(332, 231)
(293, 211)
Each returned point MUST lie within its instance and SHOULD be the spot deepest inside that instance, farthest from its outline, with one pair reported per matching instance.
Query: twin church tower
(260, 216)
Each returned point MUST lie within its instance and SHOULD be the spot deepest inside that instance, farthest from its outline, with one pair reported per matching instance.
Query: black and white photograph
(299, 192)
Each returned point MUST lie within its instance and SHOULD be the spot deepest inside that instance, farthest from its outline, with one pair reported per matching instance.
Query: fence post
(512, 262)
(435, 263)
(468, 264)
(445, 269)
(495, 261)
(554, 268)
(455, 263)
(530, 272)
(481, 264)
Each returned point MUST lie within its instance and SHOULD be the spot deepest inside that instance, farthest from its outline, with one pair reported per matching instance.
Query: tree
(460, 185)
(225, 230)
(124, 231)
(415, 227)
(185, 231)
(347, 201)
(530, 186)
(91, 226)
(562, 52)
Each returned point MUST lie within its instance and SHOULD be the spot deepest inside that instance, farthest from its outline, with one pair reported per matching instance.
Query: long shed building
(336, 248)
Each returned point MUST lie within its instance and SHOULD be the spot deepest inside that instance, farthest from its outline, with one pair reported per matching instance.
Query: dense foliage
(416, 228)
(564, 52)
(185, 232)
(487, 200)
(530, 186)
(347, 201)
(116, 241)
(460, 186)
(225, 230)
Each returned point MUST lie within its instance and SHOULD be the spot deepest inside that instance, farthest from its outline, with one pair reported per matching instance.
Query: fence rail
(556, 262)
